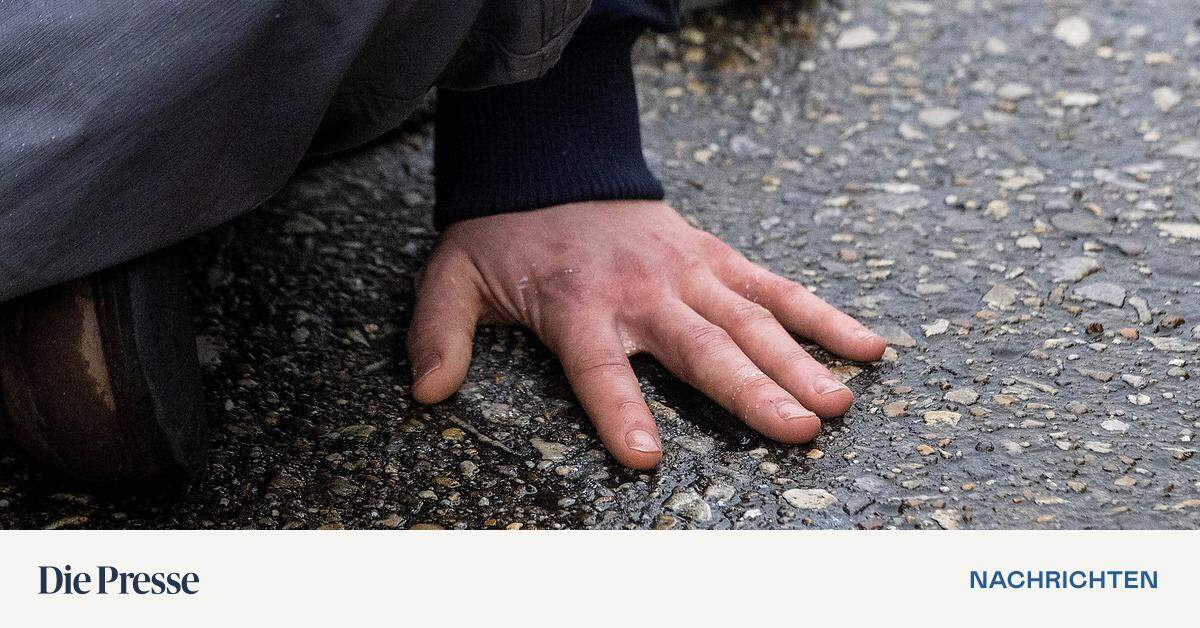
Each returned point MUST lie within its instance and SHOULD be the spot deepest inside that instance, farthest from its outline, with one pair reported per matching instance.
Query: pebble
(1073, 31)
(551, 451)
(809, 498)
(938, 117)
(856, 38)
(1074, 269)
(1166, 98)
(1136, 381)
(1080, 100)
(948, 519)
(936, 328)
(1029, 243)
(941, 417)
(1102, 292)
(1188, 230)
(1014, 91)
(964, 396)
(1172, 344)
(1000, 297)
(895, 335)
(689, 504)
(1115, 425)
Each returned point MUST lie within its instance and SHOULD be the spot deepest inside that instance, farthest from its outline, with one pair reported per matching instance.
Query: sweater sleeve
(572, 135)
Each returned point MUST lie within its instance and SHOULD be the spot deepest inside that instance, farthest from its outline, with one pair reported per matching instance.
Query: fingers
(802, 311)
(705, 356)
(596, 365)
(771, 347)
(439, 340)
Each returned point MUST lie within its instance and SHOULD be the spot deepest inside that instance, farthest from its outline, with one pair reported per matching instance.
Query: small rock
(1173, 345)
(938, 117)
(1000, 297)
(1074, 269)
(1102, 292)
(342, 487)
(941, 417)
(1136, 381)
(936, 328)
(1073, 31)
(1115, 425)
(1188, 230)
(1166, 98)
(1014, 91)
(856, 38)
(895, 336)
(964, 396)
(809, 498)
(688, 503)
(1029, 243)
(1079, 100)
(550, 450)
(946, 518)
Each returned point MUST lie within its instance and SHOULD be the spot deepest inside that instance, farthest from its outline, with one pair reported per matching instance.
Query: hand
(601, 281)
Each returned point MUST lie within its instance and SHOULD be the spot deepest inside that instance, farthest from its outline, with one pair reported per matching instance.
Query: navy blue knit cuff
(572, 135)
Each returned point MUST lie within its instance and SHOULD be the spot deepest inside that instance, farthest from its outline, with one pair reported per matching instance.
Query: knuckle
(752, 386)
(600, 366)
(708, 338)
(749, 314)
(797, 298)
(713, 246)
(795, 358)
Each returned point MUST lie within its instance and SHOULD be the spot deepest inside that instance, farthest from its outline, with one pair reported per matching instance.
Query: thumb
(443, 325)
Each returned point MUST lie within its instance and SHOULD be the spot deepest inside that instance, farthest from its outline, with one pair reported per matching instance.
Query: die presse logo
(108, 580)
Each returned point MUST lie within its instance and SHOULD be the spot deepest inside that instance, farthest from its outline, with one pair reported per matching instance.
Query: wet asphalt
(1007, 190)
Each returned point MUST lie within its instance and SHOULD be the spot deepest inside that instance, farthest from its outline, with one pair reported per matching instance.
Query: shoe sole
(99, 376)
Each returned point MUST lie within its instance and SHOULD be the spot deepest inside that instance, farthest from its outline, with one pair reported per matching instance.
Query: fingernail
(641, 440)
(866, 334)
(425, 366)
(825, 385)
(790, 410)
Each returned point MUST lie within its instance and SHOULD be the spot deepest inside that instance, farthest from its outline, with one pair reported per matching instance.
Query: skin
(601, 281)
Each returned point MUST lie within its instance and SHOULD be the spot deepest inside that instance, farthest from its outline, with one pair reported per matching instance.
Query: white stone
(1029, 242)
(809, 498)
(1073, 31)
(1079, 99)
(1000, 297)
(936, 328)
(856, 38)
(689, 504)
(1014, 91)
(1115, 425)
(941, 417)
(1074, 269)
(938, 117)
(1166, 98)
(1189, 230)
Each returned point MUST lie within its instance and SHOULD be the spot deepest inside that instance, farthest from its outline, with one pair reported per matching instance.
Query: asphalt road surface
(1006, 189)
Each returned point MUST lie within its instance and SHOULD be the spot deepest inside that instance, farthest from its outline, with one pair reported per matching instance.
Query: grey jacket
(128, 125)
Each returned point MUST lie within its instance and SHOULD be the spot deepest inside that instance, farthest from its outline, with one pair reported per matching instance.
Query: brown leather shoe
(98, 376)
